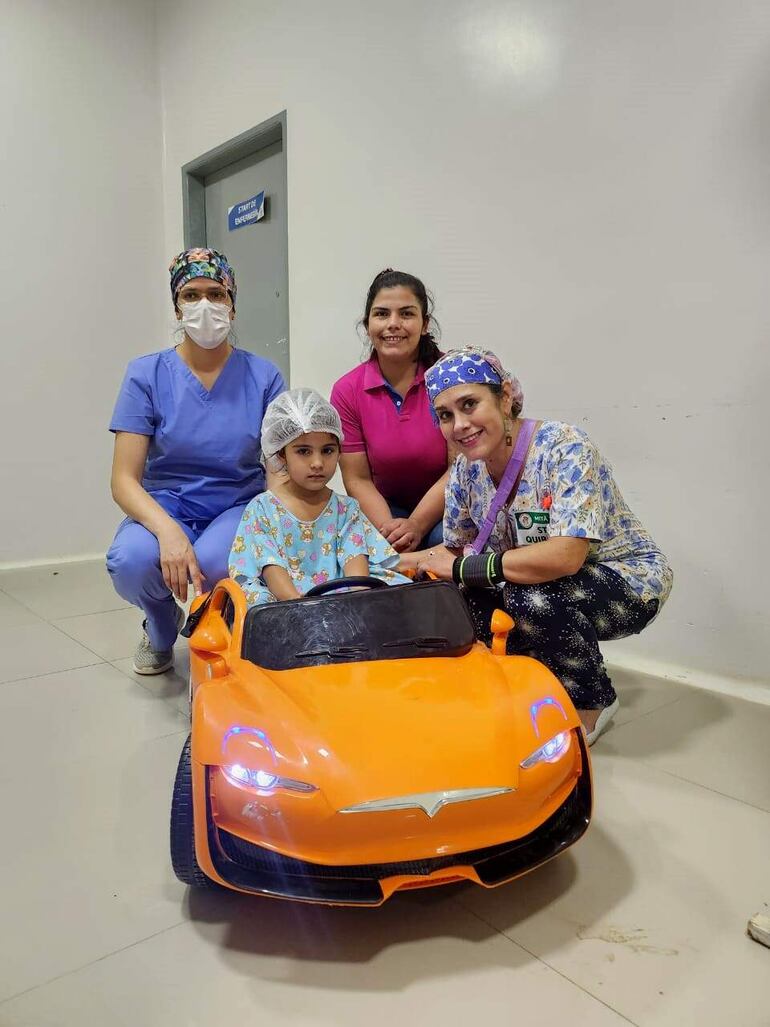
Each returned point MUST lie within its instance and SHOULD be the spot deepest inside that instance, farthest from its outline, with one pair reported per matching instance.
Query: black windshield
(395, 623)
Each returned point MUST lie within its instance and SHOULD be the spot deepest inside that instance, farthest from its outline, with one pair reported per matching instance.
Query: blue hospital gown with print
(312, 552)
(586, 502)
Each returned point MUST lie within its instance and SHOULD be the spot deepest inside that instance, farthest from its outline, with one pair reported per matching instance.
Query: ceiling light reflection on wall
(505, 48)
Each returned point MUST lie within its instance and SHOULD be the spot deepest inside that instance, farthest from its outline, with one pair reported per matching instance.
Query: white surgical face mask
(207, 324)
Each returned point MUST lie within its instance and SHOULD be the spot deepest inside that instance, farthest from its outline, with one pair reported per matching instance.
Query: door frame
(196, 171)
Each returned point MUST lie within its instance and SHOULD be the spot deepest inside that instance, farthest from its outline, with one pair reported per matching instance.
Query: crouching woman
(535, 522)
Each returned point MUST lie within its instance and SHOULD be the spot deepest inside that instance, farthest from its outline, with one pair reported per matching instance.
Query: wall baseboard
(51, 561)
(739, 688)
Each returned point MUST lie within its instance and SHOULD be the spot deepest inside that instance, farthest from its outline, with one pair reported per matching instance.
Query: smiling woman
(535, 523)
(394, 459)
(187, 424)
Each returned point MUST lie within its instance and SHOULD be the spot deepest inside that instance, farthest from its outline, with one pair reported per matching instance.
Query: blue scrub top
(204, 445)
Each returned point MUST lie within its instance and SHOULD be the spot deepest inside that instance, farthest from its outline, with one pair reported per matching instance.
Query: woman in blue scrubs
(187, 425)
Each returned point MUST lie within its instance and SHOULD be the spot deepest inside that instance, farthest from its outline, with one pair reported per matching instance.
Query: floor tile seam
(62, 670)
(638, 716)
(169, 734)
(97, 613)
(24, 606)
(185, 718)
(617, 728)
(545, 962)
(136, 677)
(82, 644)
(92, 962)
(699, 784)
(169, 700)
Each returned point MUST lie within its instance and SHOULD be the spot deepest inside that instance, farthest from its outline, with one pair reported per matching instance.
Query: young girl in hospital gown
(302, 534)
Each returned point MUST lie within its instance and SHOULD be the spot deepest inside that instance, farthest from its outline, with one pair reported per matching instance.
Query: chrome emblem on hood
(428, 802)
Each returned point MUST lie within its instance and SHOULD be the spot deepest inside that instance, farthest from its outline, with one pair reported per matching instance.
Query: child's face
(311, 459)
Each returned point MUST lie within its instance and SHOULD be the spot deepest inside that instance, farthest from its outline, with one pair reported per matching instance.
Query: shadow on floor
(667, 728)
(337, 937)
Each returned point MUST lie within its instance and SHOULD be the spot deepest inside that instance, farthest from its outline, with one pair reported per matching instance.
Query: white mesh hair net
(296, 413)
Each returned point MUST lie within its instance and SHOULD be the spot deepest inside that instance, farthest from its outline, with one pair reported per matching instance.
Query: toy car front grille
(254, 868)
(256, 858)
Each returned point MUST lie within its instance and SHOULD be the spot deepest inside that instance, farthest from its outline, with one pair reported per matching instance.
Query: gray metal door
(219, 180)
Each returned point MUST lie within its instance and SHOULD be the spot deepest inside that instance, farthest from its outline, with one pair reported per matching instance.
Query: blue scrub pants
(133, 561)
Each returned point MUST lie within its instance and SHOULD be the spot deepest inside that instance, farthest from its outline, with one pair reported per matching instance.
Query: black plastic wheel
(182, 827)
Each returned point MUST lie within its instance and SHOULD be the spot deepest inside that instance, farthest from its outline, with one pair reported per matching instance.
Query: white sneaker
(603, 721)
(155, 661)
(759, 929)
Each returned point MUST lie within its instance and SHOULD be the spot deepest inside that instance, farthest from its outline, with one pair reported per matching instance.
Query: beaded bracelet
(481, 571)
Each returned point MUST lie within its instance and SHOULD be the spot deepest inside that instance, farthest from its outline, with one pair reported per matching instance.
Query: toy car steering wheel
(337, 583)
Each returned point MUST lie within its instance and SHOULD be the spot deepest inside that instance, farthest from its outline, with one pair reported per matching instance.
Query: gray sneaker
(152, 661)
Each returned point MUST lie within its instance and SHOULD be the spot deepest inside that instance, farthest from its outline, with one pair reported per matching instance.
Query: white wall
(82, 258)
(583, 185)
(585, 188)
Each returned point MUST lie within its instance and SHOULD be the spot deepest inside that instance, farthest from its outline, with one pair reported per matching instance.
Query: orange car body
(402, 772)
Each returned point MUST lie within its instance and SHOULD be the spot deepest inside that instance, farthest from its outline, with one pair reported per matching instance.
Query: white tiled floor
(643, 922)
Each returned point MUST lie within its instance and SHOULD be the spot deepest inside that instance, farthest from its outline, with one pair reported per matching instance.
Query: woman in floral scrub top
(596, 573)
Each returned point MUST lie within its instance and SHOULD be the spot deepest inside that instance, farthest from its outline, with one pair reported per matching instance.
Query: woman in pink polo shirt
(394, 457)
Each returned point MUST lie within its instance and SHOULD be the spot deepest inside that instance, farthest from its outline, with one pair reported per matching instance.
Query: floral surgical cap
(471, 365)
(201, 263)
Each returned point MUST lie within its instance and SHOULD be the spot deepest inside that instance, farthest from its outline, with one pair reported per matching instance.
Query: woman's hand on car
(437, 561)
(403, 533)
(178, 562)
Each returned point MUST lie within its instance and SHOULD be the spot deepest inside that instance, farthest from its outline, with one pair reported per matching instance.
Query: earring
(508, 429)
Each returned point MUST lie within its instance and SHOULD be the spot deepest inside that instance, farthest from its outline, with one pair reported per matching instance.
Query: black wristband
(481, 571)
(496, 576)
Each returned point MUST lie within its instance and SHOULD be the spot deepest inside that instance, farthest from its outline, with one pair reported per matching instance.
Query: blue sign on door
(246, 213)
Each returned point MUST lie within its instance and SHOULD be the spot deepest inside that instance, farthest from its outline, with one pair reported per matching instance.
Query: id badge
(531, 526)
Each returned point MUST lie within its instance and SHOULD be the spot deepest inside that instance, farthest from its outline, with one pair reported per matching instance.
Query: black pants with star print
(562, 622)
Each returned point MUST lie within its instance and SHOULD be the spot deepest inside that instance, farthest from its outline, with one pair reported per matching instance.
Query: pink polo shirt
(405, 448)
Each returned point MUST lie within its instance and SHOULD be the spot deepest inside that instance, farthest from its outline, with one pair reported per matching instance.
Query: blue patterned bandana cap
(201, 263)
(471, 365)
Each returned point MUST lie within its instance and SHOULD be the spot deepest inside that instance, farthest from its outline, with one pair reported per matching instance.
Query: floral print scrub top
(586, 502)
(312, 552)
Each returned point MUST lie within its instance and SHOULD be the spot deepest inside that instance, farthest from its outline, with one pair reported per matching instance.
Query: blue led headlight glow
(243, 730)
(263, 780)
(258, 747)
(551, 752)
(537, 706)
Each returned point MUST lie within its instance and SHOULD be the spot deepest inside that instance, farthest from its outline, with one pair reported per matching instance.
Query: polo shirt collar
(373, 378)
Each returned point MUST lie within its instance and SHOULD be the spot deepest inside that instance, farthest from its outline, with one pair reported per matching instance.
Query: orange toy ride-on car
(350, 744)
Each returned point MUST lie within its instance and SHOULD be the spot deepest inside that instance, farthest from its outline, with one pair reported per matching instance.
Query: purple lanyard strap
(506, 487)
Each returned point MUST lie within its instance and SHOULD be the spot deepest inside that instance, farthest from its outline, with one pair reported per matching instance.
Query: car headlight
(263, 780)
(551, 752)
